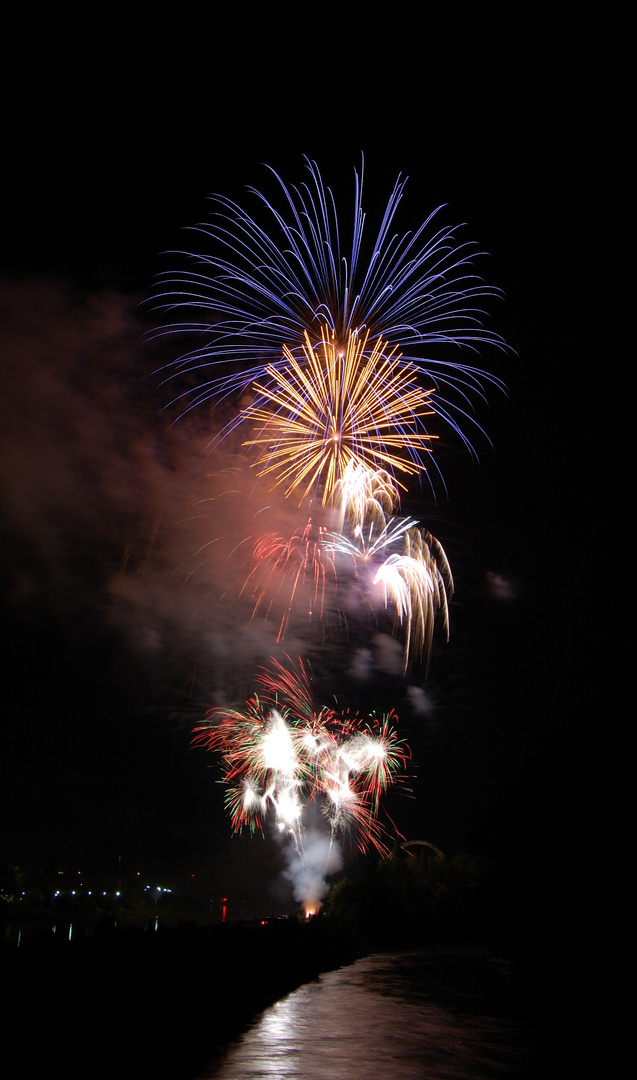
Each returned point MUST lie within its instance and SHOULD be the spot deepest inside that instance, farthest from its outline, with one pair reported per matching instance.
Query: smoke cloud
(308, 870)
(123, 522)
(113, 513)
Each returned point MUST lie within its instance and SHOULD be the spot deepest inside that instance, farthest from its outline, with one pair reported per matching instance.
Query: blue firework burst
(295, 268)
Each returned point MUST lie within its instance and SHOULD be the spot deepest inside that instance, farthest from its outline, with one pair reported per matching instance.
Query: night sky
(122, 622)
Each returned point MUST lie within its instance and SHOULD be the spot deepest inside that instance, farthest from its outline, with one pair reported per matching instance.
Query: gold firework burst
(338, 405)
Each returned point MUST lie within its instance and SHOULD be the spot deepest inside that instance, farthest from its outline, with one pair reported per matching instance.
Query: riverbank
(164, 1003)
(159, 1001)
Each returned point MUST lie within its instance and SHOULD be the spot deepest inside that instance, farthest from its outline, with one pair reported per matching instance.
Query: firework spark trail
(367, 542)
(290, 279)
(285, 565)
(364, 495)
(331, 340)
(290, 683)
(293, 574)
(419, 583)
(340, 407)
(282, 755)
(339, 347)
(335, 358)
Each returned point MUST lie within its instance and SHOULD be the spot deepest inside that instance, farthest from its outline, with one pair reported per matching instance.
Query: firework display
(302, 563)
(337, 409)
(335, 352)
(364, 495)
(281, 756)
(287, 286)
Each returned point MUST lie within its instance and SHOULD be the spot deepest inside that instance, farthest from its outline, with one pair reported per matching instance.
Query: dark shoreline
(162, 1002)
(167, 1003)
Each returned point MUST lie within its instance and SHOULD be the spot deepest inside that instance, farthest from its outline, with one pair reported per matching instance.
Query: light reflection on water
(385, 1016)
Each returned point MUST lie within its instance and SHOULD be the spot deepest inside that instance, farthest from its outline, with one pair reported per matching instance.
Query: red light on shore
(224, 909)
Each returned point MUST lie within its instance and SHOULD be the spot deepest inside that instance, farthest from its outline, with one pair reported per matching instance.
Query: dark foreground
(164, 1003)
(154, 1003)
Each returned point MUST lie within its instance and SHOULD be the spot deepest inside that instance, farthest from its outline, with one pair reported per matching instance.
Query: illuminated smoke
(316, 776)
(336, 360)
(308, 870)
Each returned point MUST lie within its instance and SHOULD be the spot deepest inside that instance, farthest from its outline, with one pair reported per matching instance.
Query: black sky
(111, 651)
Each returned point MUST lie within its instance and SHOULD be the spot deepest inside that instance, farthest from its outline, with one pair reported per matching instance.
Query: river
(443, 1015)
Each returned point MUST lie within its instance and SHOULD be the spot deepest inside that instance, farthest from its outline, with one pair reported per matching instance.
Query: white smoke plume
(308, 869)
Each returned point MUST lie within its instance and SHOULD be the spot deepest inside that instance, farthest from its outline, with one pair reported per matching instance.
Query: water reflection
(391, 1015)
